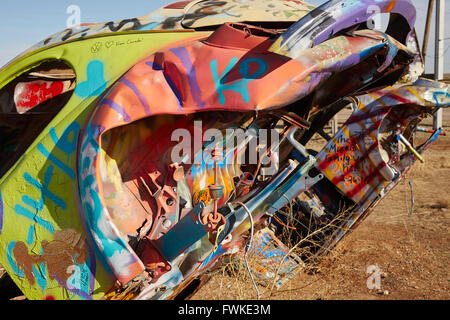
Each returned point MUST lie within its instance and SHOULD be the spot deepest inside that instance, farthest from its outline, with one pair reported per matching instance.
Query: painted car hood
(231, 70)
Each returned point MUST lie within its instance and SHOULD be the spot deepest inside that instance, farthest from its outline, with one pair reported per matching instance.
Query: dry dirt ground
(412, 251)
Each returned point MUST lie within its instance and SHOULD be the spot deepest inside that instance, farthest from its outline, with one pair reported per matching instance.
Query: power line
(433, 56)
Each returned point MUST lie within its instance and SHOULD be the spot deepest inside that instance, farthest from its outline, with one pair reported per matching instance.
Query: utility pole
(439, 54)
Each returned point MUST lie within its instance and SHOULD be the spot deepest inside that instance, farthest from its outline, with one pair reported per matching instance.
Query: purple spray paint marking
(336, 15)
(196, 92)
(86, 289)
(117, 108)
(138, 94)
(157, 67)
(1, 213)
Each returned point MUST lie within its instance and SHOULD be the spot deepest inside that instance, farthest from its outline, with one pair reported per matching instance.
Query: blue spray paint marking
(157, 67)
(213, 256)
(38, 272)
(95, 83)
(33, 217)
(1, 213)
(67, 170)
(118, 108)
(150, 26)
(82, 281)
(11, 261)
(30, 237)
(65, 143)
(203, 162)
(38, 206)
(392, 53)
(93, 213)
(239, 86)
(30, 207)
(40, 276)
(196, 92)
(45, 192)
(435, 136)
(138, 94)
(92, 132)
(435, 96)
(76, 291)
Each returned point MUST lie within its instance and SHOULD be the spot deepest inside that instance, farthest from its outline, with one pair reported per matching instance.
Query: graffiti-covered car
(136, 154)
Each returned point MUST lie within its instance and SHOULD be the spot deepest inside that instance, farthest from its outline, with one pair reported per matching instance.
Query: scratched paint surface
(275, 264)
(245, 78)
(335, 16)
(39, 217)
(66, 213)
(354, 159)
(358, 162)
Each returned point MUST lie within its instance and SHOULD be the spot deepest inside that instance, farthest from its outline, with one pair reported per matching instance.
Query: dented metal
(147, 170)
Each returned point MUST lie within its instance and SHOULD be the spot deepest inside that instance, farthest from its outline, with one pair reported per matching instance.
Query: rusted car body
(120, 175)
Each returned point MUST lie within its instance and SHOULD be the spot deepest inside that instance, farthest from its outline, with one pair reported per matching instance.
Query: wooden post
(427, 29)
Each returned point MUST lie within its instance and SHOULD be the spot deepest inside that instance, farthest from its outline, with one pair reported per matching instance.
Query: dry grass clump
(235, 282)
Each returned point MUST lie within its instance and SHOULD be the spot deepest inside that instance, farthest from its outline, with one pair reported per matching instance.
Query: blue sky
(24, 23)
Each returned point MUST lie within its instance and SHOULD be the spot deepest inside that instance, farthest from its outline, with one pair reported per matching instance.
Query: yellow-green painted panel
(42, 242)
